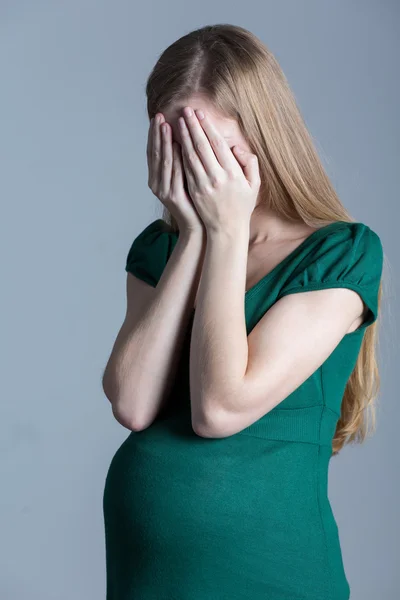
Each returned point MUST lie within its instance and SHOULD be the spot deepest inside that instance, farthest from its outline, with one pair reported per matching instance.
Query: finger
(218, 144)
(177, 171)
(187, 172)
(166, 162)
(201, 144)
(156, 150)
(192, 160)
(249, 163)
(149, 149)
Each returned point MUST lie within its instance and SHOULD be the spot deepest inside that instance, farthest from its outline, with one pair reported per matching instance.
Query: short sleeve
(150, 251)
(351, 257)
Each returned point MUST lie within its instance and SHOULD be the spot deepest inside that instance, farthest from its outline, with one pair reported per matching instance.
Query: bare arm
(142, 365)
(236, 379)
(141, 369)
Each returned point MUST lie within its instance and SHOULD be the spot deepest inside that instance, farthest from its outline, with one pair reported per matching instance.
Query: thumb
(249, 163)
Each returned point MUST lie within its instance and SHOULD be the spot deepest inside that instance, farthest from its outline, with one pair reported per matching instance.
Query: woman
(236, 388)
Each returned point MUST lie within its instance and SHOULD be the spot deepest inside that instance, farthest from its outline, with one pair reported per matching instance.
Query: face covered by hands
(223, 183)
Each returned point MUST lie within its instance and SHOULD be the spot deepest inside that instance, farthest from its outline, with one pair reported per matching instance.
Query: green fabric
(245, 517)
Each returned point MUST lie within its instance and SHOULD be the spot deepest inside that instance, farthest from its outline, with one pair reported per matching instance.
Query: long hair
(243, 80)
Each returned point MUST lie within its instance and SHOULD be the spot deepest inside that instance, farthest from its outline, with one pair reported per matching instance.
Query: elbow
(109, 386)
(122, 411)
(214, 423)
(126, 419)
(106, 387)
(202, 429)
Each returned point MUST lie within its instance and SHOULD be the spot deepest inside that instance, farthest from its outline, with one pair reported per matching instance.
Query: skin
(271, 236)
(265, 225)
(235, 378)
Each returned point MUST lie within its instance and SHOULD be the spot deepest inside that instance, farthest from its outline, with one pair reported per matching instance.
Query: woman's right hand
(167, 177)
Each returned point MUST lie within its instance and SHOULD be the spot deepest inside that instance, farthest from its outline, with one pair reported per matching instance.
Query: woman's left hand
(223, 185)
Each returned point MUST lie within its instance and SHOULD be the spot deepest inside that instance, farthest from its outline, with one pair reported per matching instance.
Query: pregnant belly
(178, 505)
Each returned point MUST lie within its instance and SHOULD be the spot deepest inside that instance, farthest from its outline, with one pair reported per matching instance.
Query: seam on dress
(306, 407)
(268, 439)
(318, 492)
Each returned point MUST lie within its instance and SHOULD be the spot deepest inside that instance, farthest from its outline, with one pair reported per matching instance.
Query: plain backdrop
(74, 195)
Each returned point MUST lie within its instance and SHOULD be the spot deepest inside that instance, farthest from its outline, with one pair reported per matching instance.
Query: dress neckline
(315, 234)
(254, 289)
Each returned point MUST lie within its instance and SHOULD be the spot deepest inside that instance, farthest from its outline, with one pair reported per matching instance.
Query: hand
(166, 176)
(223, 185)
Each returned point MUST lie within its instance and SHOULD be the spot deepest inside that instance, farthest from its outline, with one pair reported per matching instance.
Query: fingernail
(200, 114)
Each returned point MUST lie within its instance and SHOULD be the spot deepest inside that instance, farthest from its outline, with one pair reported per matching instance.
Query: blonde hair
(243, 80)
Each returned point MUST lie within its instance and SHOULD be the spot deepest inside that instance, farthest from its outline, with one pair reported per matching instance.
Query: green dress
(245, 517)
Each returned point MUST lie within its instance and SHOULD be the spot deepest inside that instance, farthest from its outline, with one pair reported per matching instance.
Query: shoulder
(348, 230)
(153, 231)
(347, 254)
(150, 251)
(349, 242)
(357, 231)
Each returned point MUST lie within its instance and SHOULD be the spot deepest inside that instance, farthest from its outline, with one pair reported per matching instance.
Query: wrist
(233, 231)
(193, 235)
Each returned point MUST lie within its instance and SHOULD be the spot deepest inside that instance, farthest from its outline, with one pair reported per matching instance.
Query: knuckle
(196, 195)
(200, 145)
(206, 190)
(216, 182)
(216, 141)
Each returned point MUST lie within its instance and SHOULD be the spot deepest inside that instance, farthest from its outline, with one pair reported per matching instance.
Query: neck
(267, 225)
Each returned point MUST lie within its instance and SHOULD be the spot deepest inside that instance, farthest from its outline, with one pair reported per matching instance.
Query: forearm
(144, 359)
(219, 349)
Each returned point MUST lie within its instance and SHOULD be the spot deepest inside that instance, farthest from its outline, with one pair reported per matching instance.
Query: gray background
(74, 195)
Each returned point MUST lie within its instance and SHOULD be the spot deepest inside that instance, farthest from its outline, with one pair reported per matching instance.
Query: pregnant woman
(246, 359)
